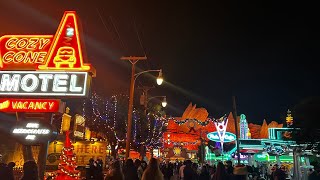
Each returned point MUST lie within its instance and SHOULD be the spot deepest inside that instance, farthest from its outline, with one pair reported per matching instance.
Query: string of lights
(103, 112)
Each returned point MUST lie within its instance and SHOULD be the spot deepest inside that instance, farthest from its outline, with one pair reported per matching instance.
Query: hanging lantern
(65, 124)
(87, 134)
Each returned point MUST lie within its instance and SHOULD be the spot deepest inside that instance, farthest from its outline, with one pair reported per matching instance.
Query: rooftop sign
(45, 65)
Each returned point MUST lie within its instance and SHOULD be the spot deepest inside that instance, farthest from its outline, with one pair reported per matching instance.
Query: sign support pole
(43, 153)
(236, 127)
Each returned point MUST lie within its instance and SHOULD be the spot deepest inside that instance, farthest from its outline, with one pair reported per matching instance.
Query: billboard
(84, 150)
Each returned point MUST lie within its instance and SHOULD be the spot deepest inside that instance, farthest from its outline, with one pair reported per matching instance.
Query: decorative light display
(67, 166)
(244, 130)
(106, 115)
(221, 127)
(276, 149)
(202, 123)
(181, 143)
(289, 118)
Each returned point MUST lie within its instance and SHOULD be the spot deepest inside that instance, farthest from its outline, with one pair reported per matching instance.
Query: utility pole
(133, 60)
(236, 126)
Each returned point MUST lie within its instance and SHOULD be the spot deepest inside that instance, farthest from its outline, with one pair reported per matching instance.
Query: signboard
(228, 137)
(84, 150)
(16, 156)
(33, 132)
(79, 129)
(29, 105)
(45, 65)
(24, 52)
(37, 83)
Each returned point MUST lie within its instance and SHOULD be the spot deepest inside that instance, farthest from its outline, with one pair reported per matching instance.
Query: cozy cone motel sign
(43, 66)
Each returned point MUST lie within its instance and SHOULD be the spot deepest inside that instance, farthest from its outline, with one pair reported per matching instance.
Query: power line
(140, 42)
(105, 26)
(118, 34)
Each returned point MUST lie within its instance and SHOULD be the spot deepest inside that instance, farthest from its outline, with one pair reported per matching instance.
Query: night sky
(263, 53)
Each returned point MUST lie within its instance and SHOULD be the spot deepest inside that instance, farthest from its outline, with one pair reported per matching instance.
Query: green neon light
(226, 156)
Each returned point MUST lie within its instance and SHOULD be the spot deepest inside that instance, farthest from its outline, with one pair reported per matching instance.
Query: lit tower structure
(289, 118)
(244, 129)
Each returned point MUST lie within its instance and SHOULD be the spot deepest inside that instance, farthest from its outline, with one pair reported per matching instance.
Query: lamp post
(133, 60)
(144, 101)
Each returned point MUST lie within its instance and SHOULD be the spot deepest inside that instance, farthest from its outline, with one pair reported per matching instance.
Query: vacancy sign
(29, 105)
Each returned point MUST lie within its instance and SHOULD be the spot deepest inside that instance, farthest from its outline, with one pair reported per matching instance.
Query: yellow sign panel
(84, 150)
(17, 155)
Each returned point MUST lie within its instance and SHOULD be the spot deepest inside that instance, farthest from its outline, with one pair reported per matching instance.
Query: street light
(160, 78)
(144, 101)
(133, 60)
(164, 102)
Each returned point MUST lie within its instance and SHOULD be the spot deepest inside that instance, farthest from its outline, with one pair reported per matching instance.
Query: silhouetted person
(153, 171)
(188, 172)
(99, 170)
(3, 171)
(116, 172)
(167, 170)
(144, 165)
(221, 173)
(130, 171)
(137, 164)
(279, 174)
(10, 170)
(30, 171)
(204, 175)
(240, 172)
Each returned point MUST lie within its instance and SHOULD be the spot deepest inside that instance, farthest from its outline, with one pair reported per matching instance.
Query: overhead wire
(118, 34)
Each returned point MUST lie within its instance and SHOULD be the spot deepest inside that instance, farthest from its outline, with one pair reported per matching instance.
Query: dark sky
(263, 53)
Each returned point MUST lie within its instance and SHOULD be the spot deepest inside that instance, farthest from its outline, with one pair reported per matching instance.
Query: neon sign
(35, 83)
(31, 132)
(65, 52)
(45, 52)
(228, 137)
(29, 105)
(25, 52)
(59, 58)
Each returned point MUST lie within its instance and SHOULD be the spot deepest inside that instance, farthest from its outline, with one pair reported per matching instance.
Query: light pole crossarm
(142, 72)
(156, 97)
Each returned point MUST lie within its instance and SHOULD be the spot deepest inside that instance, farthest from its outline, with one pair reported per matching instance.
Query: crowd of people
(135, 170)
(30, 171)
(155, 170)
